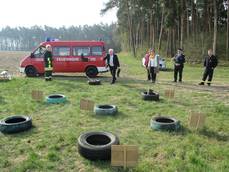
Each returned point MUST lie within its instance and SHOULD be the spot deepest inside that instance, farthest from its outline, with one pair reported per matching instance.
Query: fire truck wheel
(30, 71)
(91, 72)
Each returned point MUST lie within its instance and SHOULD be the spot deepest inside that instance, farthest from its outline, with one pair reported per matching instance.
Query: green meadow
(51, 144)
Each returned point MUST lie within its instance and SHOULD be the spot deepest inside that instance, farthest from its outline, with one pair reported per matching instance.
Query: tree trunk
(204, 20)
(153, 36)
(174, 41)
(157, 29)
(167, 44)
(187, 18)
(152, 31)
(202, 43)
(130, 24)
(182, 32)
(137, 37)
(142, 32)
(193, 20)
(148, 33)
(161, 30)
(215, 27)
(182, 24)
(209, 17)
(227, 48)
(171, 42)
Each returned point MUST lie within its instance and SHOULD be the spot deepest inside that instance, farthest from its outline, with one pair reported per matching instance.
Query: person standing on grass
(152, 65)
(113, 63)
(144, 64)
(210, 64)
(179, 61)
(48, 63)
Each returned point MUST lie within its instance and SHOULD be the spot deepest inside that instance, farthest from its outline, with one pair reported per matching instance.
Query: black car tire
(56, 98)
(31, 71)
(91, 72)
(14, 124)
(105, 109)
(96, 145)
(164, 123)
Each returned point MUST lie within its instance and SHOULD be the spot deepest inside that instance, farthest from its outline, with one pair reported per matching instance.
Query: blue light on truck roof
(48, 39)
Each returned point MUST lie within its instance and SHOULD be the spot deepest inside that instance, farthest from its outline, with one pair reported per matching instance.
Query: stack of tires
(94, 82)
(150, 96)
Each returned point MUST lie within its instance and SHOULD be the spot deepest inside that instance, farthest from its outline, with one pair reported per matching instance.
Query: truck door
(37, 59)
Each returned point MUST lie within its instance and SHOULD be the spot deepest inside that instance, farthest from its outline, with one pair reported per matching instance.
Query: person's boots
(201, 83)
(209, 84)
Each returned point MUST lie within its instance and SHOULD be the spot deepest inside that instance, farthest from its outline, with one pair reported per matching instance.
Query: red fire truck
(68, 57)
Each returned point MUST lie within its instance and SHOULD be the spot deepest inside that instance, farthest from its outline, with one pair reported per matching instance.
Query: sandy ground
(10, 60)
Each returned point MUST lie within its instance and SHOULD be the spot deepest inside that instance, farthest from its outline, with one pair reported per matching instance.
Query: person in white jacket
(152, 63)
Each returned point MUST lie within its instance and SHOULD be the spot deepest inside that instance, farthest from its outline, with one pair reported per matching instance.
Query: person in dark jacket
(48, 63)
(210, 64)
(113, 63)
(179, 61)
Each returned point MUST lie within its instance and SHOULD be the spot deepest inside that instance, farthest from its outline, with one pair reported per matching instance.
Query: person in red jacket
(145, 61)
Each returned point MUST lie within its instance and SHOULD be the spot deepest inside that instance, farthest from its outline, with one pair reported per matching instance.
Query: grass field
(51, 145)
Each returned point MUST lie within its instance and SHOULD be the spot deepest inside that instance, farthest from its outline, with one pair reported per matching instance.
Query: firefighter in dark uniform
(210, 64)
(179, 61)
(48, 63)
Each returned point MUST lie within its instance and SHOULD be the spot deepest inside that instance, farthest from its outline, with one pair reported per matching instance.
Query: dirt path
(214, 88)
(10, 61)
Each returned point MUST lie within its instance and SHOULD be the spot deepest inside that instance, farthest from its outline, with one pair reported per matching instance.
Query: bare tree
(227, 44)
(182, 24)
(215, 26)
(161, 30)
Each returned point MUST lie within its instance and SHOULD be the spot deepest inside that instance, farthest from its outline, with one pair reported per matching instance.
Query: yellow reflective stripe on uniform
(48, 68)
(49, 62)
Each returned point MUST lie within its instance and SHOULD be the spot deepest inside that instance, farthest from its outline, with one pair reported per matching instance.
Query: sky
(54, 13)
